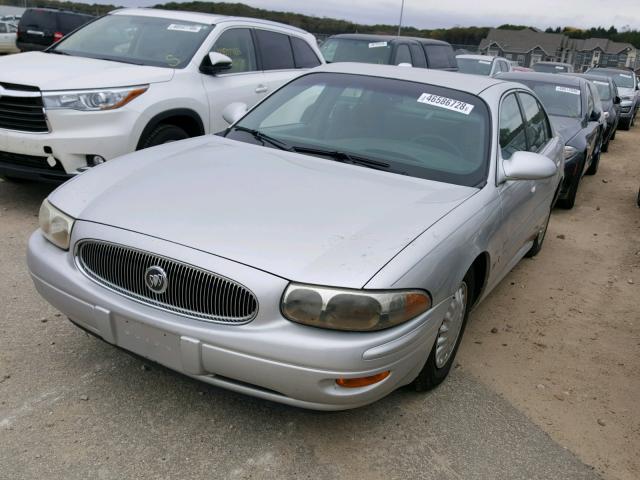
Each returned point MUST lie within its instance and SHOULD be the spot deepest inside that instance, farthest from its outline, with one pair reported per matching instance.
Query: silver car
(323, 251)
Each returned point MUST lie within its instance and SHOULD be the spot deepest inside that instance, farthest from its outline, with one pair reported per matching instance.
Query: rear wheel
(164, 134)
(595, 162)
(570, 201)
(537, 243)
(449, 336)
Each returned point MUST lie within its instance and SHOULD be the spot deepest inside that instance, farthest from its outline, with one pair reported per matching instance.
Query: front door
(244, 82)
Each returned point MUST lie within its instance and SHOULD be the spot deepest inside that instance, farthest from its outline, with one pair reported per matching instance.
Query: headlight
(569, 152)
(352, 310)
(55, 225)
(92, 100)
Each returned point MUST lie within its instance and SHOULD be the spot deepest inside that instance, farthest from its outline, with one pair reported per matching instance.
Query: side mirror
(617, 100)
(234, 112)
(528, 166)
(215, 63)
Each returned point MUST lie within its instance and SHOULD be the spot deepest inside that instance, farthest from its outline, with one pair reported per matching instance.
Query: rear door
(37, 27)
(245, 81)
(277, 58)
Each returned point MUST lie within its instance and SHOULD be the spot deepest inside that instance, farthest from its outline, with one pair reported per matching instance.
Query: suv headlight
(569, 152)
(56, 226)
(352, 310)
(92, 100)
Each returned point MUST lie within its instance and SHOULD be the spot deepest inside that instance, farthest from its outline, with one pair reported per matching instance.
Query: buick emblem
(155, 278)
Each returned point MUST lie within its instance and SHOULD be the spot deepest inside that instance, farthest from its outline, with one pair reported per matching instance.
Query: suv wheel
(164, 134)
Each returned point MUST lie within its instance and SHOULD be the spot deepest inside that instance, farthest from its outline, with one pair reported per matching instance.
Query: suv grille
(190, 291)
(21, 109)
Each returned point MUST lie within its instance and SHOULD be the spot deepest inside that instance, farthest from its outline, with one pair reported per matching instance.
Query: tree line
(330, 26)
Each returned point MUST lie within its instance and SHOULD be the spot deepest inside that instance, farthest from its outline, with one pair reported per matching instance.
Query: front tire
(537, 243)
(570, 201)
(164, 134)
(443, 352)
(595, 163)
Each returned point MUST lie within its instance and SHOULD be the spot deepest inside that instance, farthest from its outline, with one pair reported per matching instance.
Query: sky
(450, 13)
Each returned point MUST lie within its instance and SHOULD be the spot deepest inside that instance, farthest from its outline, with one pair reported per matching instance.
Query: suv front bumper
(72, 136)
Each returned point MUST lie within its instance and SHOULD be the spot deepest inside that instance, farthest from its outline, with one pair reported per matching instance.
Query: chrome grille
(21, 109)
(190, 291)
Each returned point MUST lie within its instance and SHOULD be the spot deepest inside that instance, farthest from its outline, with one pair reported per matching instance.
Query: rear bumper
(30, 47)
(270, 357)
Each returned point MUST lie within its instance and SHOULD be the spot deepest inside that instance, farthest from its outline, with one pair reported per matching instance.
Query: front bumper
(270, 357)
(73, 135)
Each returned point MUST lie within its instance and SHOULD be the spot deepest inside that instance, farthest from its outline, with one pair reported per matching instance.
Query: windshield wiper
(344, 157)
(263, 137)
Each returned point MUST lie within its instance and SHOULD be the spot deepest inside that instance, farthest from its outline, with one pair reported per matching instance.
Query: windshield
(141, 40)
(473, 66)
(624, 80)
(361, 51)
(604, 89)
(559, 100)
(550, 68)
(408, 128)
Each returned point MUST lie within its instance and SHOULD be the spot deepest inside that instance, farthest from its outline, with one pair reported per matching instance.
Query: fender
(176, 112)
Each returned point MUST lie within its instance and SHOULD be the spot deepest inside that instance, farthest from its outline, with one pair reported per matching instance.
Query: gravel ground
(559, 376)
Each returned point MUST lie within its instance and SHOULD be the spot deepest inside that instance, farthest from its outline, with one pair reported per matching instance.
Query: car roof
(568, 80)
(206, 18)
(590, 76)
(56, 10)
(473, 84)
(478, 57)
(610, 69)
(553, 63)
(387, 38)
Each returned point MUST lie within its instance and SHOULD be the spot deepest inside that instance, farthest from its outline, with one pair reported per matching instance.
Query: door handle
(261, 89)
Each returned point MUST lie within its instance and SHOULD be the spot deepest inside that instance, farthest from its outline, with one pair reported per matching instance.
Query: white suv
(137, 78)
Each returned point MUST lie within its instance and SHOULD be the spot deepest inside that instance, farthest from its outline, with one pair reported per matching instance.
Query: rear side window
(537, 126)
(440, 56)
(40, 20)
(275, 50)
(303, 54)
(3, 28)
(237, 44)
(512, 135)
(417, 53)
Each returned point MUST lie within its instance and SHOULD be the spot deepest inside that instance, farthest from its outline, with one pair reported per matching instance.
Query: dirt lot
(564, 359)
(567, 346)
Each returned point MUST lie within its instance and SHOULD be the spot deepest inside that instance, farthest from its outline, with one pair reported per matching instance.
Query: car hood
(300, 217)
(58, 72)
(565, 126)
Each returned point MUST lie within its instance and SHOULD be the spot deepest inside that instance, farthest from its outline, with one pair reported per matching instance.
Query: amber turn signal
(362, 381)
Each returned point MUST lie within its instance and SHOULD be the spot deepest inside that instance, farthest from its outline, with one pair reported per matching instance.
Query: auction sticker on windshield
(378, 44)
(184, 28)
(573, 91)
(445, 102)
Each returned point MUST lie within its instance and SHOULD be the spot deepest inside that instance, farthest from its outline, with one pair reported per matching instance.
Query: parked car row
(327, 245)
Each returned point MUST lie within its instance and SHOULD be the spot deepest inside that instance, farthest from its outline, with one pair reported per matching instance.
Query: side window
(417, 54)
(403, 55)
(597, 103)
(512, 136)
(537, 127)
(440, 56)
(275, 50)
(3, 28)
(590, 103)
(237, 44)
(505, 66)
(303, 54)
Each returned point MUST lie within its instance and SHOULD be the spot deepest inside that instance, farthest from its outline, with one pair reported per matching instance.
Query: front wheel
(164, 134)
(537, 243)
(443, 352)
(570, 201)
(595, 162)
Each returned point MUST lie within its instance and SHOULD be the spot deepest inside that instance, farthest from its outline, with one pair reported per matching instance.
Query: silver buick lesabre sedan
(324, 250)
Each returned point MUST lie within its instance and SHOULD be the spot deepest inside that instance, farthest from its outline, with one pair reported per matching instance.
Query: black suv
(389, 50)
(41, 27)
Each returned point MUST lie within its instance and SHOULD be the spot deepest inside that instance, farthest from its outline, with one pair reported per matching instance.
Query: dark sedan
(610, 99)
(575, 111)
